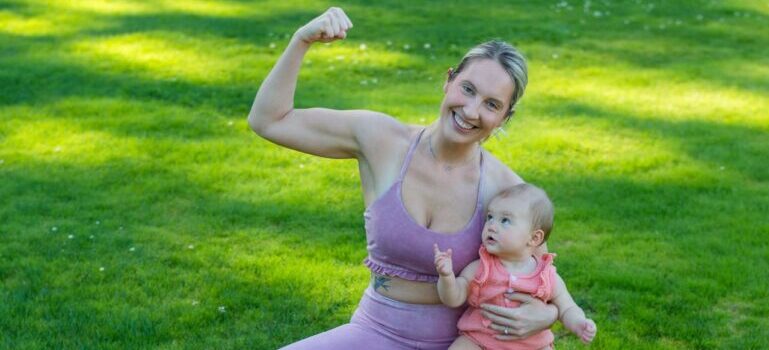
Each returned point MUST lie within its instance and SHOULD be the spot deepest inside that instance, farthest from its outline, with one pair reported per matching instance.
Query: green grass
(124, 146)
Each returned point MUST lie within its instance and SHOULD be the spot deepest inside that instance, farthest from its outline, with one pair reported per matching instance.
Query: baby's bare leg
(464, 343)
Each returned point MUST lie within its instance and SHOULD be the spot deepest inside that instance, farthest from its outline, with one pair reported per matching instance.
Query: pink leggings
(384, 323)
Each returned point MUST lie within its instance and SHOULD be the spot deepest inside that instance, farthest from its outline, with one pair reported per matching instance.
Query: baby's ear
(537, 238)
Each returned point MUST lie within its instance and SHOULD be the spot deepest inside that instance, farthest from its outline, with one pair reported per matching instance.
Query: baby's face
(507, 231)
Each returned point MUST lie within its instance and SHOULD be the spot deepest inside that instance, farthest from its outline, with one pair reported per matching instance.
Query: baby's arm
(571, 315)
(452, 290)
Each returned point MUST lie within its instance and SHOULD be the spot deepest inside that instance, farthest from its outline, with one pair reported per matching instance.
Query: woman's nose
(471, 109)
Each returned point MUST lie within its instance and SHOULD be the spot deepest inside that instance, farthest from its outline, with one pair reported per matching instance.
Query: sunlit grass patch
(29, 26)
(61, 141)
(160, 55)
(652, 93)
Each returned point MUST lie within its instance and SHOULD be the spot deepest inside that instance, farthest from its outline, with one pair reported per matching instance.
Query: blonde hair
(511, 60)
(540, 206)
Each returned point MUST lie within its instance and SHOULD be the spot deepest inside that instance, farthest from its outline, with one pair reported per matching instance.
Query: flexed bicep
(330, 133)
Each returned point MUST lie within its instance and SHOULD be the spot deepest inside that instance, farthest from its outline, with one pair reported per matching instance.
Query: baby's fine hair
(540, 206)
(508, 57)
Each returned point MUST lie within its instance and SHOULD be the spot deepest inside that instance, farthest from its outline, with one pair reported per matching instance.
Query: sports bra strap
(410, 153)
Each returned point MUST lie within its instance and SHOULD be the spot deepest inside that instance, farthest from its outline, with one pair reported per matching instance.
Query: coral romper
(488, 286)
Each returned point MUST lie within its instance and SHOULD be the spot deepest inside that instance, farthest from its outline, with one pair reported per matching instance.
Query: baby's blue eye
(489, 217)
(506, 221)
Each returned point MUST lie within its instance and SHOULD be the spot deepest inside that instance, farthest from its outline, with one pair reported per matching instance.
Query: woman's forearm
(275, 98)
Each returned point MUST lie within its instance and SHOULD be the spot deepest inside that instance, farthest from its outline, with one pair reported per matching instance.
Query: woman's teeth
(462, 123)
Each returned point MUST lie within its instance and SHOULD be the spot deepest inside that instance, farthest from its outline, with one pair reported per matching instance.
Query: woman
(421, 186)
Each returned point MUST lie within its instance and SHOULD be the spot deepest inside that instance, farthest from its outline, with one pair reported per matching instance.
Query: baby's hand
(588, 331)
(443, 261)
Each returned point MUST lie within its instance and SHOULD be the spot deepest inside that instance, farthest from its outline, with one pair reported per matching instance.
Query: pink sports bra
(398, 246)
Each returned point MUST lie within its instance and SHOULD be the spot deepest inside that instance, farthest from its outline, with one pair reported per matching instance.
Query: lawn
(137, 210)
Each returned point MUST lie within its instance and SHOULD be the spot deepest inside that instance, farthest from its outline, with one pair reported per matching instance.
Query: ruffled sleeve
(481, 275)
(547, 278)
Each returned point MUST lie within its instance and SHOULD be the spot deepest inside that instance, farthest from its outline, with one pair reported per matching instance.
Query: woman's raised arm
(318, 131)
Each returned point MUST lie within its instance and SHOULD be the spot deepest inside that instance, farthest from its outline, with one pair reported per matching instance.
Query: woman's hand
(443, 262)
(329, 26)
(530, 317)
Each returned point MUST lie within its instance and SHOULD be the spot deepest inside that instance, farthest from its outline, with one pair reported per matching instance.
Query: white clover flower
(57, 149)
(98, 222)
(131, 249)
(230, 123)
(375, 80)
(364, 82)
(362, 46)
(301, 166)
(54, 229)
(101, 269)
(191, 246)
(272, 45)
(222, 309)
(406, 47)
(71, 236)
(2, 161)
(555, 56)
(427, 46)
(91, 237)
(195, 303)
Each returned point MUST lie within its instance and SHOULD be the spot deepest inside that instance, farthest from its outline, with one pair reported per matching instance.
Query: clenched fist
(443, 262)
(329, 26)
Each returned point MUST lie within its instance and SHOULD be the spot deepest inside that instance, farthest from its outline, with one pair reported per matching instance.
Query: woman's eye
(493, 106)
(466, 89)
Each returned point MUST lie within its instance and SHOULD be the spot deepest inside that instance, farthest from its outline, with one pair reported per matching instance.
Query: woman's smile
(461, 123)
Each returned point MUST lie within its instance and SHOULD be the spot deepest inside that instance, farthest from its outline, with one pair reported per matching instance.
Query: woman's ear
(449, 78)
(537, 238)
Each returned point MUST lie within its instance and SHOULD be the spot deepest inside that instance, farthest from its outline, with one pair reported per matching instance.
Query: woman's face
(476, 101)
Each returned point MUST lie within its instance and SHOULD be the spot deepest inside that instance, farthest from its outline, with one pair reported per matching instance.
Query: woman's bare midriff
(411, 292)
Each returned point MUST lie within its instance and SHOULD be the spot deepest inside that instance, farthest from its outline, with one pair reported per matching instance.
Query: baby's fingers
(590, 326)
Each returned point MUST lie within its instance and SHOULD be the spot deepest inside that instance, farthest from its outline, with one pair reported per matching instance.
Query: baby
(517, 223)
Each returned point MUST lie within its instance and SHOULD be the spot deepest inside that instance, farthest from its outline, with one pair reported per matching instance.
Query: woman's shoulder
(378, 129)
(498, 175)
